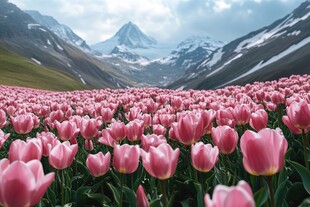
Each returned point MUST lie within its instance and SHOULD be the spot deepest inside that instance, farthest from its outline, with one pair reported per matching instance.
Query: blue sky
(165, 20)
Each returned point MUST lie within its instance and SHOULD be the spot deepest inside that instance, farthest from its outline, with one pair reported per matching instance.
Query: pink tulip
(106, 138)
(235, 196)
(134, 130)
(126, 158)
(3, 138)
(159, 129)
(66, 130)
(242, 114)
(225, 138)
(289, 125)
(23, 124)
(189, 128)
(25, 151)
(62, 155)
(277, 98)
(225, 117)
(22, 184)
(160, 162)
(263, 152)
(98, 164)
(141, 200)
(89, 145)
(3, 121)
(166, 119)
(106, 115)
(48, 140)
(259, 119)
(133, 114)
(89, 128)
(152, 140)
(204, 156)
(207, 118)
(299, 115)
(117, 130)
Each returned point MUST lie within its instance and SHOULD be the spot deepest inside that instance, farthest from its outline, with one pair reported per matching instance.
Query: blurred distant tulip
(89, 145)
(225, 138)
(235, 196)
(25, 151)
(161, 161)
(259, 119)
(22, 184)
(106, 115)
(141, 200)
(126, 158)
(98, 164)
(159, 129)
(189, 128)
(263, 152)
(23, 124)
(225, 117)
(62, 155)
(204, 156)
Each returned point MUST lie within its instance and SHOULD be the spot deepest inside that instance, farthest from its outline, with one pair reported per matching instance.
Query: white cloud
(221, 5)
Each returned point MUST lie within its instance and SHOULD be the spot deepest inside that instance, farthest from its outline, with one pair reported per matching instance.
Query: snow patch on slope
(276, 58)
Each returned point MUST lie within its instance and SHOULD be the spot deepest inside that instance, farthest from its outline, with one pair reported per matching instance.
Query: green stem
(306, 148)
(279, 112)
(271, 193)
(62, 187)
(164, 192)
(121, 193)
(226, 168)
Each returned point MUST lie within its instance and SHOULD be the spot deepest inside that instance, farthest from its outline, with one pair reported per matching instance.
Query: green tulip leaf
(281, 193)
(115, 193)
(199, 194)
(262, 195)
(130, 195)
(304, 174)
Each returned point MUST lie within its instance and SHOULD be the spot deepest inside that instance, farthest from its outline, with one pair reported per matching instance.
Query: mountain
(61, 30)
(278, 50)
(130, 44)
(191, 51)
(22, 35)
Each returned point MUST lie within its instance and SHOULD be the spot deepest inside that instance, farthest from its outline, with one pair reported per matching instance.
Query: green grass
(18, 71)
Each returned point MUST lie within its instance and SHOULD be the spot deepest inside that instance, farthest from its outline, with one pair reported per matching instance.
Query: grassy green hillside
(18, 71)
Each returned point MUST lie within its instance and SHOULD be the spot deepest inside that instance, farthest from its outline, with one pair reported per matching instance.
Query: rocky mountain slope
(277, 50)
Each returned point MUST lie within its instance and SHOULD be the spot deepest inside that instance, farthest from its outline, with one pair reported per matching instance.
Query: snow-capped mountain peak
(190, 51)
(131, 36)
(62, 31)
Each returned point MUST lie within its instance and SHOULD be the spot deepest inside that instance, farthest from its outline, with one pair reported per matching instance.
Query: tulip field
(233, 147)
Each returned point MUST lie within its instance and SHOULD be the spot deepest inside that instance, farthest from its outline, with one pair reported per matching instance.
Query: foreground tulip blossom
(98, 164)
(134, 130)
(241, 114)
(225, 138)
(141, 200)
(62, 155)
(126, 158)
(263, 152)
(204, 156)
(161, 161)
(235, 196)
(152, 140)
(22, 184)
(89, 128)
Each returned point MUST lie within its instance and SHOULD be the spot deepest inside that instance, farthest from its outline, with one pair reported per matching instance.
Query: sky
(164, 20)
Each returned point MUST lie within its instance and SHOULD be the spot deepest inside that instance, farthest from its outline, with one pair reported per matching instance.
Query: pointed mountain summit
(129, 36)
